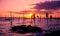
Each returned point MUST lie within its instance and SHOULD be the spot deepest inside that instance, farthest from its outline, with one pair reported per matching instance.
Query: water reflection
(53, 25)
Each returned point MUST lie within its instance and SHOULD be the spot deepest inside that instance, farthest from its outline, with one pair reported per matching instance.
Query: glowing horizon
(29, 14)
(20, 5)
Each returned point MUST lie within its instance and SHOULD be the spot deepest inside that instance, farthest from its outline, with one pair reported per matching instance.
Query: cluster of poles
(34, 18)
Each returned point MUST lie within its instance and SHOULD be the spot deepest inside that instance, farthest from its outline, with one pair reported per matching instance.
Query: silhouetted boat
(26, 29)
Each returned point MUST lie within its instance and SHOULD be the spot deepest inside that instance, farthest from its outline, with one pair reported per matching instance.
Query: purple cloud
(48, 5)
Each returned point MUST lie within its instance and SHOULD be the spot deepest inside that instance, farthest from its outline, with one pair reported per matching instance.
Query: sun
(28, 15)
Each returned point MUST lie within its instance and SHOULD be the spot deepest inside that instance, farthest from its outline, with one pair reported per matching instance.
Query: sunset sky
(22, 5)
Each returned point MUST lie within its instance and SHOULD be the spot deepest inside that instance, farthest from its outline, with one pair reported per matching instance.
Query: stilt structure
(47, 19)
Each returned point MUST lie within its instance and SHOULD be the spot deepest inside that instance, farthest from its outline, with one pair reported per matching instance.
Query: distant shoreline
(13, 18)
(25, 18)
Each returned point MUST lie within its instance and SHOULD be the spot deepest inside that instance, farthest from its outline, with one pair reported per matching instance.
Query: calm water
(45, 24)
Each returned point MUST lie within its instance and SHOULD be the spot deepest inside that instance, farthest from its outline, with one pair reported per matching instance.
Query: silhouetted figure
(46, 15)
(34, 18)
(40, 18)
(47, 19)
(51, 18)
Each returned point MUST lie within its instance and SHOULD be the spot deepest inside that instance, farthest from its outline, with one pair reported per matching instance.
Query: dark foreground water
(46, 25)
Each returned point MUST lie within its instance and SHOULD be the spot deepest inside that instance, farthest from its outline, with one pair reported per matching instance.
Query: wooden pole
(11, 17)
